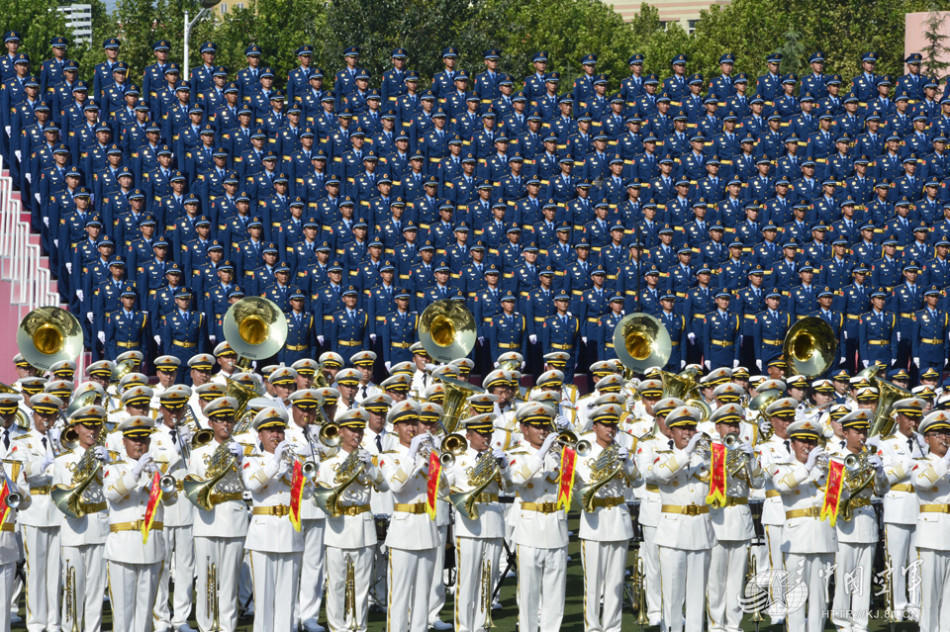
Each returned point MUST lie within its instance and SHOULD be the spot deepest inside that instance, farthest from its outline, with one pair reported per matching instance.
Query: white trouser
(542, 579)
(683, 573)
(307, 607)
(342, 615)
(727, 565)
(246, 584)
(934, 590)
(41, 547)
(410, 583)
(275, 578)
(225, 554)
(132, 595)
(7, 582)
(900, 542)
(437, 587)
(85, 569)
(604, 563)
(180, 560)
(473, 558)
(852, 599)
(651, 572)
(807, 580)
(776, 559)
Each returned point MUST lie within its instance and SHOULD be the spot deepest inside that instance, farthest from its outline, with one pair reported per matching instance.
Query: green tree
(36, 21)
(936, 50)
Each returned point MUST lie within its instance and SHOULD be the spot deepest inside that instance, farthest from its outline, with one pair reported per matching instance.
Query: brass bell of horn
(447, 330)
(809, 346)
(255, 327)
(641, 342)
(48, 335)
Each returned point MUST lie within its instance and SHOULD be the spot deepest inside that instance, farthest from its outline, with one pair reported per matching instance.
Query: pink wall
(915, 25)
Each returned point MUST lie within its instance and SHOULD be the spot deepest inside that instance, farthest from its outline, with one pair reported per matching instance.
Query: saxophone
(479, 477)
(349, 470)
(604, 468)
(223, 481)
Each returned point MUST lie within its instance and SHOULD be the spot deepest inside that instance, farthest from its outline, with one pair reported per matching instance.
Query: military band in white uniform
(305, 494)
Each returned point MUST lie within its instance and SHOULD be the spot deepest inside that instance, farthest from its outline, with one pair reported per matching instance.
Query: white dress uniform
(478, 545)
(39, 526)
(312, 525)
(366, 390)
(809, 543)
(10, 550)
(219, 539)
(179, 546)
(930, 478)
(506, 433)
(133, 565)
(649, 450)
(83, 541)
(901, 507)
(350, 539)
(221, 378)
(381, 505)
(605, 534)
(275, 546)
(412, 540)
(442, 521)
(684, 537)
(733, 528)
(775, 450)
(540, 534)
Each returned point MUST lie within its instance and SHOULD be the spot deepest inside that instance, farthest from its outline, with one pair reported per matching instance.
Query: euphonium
(452, 446)
(480, 476)
(348, 471)
(604, 468)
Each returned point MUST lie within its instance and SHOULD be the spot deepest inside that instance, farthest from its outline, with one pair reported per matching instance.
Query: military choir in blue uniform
(729, 207)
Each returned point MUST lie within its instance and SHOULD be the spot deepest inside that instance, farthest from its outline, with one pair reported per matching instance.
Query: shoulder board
(22, 437)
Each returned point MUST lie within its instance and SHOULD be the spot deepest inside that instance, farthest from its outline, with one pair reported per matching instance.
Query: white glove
(898, 336)
(758, 364)
(89, 316)
(144, 463)
(388, 365)
(865, 363)
(841, 360)
(584, 339)
(212, 338)
(69, 267)
(875, 461)
(372, 337)
(46, 462)
(708, 364)
(691, 446)
(320, 339)
(235, 449)
(917, 362)
(415, 443)
(562, 423)
(548, 442)
(481, 340)
(102, 337)
(186, 434)
(46, 221)
(501, 457)
(746, 448)
(735, 363)
(101, 453)
(277, 466)
(533, 339)
(80, 295)
(622, 453)
(691, 337)
(364, 456)
(158, 339)
(813, 457)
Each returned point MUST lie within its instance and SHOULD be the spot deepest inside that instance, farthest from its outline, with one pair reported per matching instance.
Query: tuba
(809, 346)
(454, 405)
(447, 330)
(882, 423)
(256, 329)
(223, 481)
(242, 394)
(641, 342)
(48, 335)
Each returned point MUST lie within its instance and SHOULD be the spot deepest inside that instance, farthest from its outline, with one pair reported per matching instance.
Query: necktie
(6, 438)
(379, 442)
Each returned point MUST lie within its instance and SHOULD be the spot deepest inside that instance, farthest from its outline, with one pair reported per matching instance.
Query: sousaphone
(447, 330)
(809, 347)
(641, 342)
(48, 335)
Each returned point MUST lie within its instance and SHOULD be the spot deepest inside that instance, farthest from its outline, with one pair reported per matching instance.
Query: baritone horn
(641, 342)
(256, 329)
(48, 335)
(809, 346)
(447, 330)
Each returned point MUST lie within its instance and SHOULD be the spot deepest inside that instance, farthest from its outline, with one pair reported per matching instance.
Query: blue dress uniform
(508, 332)
(721, 337)
(675, 324)
(877, 335)
(348, 329)
(603, 334)
(560, 333)
(300, 336)
(770, 329)
(126, 331)
(906, 299)
(750, 302)
(398, 332)
(184, 334)
(930, 336)
(836, 321)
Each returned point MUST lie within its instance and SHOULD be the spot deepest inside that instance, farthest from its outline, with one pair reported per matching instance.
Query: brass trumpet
(330, 434)
(452, 446)
(567, 439)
